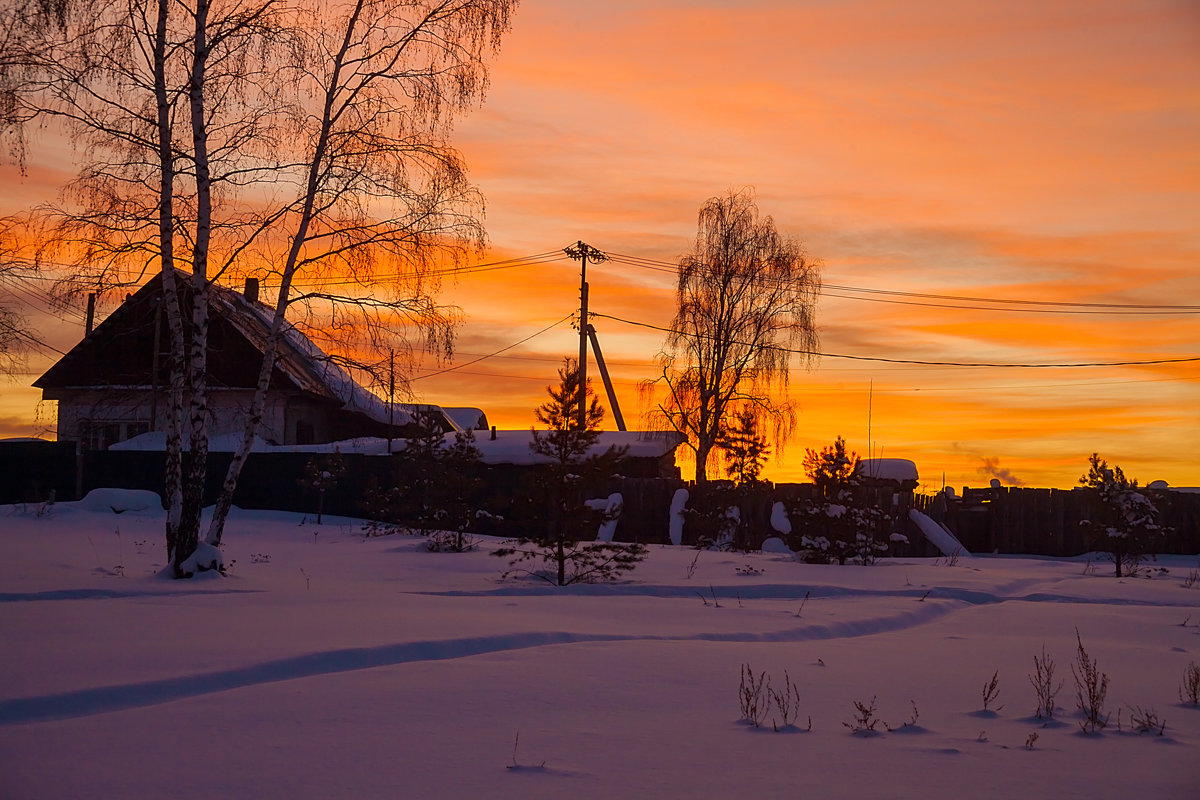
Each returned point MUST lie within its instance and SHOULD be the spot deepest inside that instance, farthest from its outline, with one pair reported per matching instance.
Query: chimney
(91, 314)
(252, 290)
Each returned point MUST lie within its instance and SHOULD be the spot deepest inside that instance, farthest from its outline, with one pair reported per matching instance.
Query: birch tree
(747, 301)
(306, 140)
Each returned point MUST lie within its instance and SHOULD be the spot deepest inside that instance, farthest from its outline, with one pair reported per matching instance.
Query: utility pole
(583, 252)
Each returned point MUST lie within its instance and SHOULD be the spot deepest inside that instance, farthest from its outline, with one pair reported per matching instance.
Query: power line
(929, 363)
(498, 352)
(1054, 306)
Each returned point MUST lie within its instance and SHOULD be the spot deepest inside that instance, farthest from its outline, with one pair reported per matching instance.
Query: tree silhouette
(234, 138)
(746, 305)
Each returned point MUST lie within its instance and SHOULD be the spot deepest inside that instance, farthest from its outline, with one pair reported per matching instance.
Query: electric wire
(496, 353)
(1055, 306)
(1002, 365)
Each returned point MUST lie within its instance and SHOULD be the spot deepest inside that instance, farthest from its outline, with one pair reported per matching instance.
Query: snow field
(329, 665)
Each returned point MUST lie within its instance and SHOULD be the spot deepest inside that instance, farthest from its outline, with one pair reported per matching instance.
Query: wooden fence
(1003, 520)
(1048, 521)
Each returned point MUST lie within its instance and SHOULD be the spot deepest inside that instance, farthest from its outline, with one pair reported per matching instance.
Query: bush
(1042, 679)
(1091, 689)
(844, 526)
(1126, 529)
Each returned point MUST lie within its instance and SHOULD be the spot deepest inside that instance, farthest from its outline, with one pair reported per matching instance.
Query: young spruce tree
(556, 553)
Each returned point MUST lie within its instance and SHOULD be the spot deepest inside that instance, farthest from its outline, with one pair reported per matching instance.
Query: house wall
(101, 418)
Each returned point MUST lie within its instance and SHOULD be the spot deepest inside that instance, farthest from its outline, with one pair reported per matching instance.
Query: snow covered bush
(435, 484)
(322, 473)
(752, 696)
(1042, 679)
(712, 518)
(864, 721)
(1126, 527)
(1091, 688)
(843, 525)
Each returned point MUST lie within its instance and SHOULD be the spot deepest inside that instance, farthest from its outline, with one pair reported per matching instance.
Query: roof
(119, 352)
(509, 447)
(890, 469)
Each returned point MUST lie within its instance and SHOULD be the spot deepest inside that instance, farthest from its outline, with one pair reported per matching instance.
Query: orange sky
(1028, 150)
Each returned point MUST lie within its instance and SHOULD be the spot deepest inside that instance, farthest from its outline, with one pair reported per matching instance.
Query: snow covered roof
(304, 362)
(890, 469)
(466, 418)
(509, 447)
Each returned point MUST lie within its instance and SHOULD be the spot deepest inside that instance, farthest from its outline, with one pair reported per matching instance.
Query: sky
(1031, 151)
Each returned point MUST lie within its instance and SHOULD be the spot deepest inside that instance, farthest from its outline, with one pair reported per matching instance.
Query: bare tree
(244, 137)
(390, 80)
(747, 304)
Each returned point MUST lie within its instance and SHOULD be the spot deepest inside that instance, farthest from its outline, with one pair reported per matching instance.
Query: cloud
(991, 467)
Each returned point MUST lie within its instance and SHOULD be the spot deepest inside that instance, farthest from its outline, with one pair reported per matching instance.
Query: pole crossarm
(582, 252)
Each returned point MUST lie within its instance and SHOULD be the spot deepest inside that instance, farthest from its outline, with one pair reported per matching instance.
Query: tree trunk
(197, 372)
(173, 468)
(702, 453)
(216, 527)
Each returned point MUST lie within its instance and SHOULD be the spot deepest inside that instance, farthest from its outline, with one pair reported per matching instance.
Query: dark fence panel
(1048, 521)
(31, 470)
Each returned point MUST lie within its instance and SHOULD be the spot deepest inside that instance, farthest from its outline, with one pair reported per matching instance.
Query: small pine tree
(564, 441)
(1127, 526)
(436, 484)
(322, 473)
(744, 447)
(839, 509)
(560, 488)
(832, 468)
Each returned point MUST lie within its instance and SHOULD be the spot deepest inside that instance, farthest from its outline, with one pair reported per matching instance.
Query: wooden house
(111, 386)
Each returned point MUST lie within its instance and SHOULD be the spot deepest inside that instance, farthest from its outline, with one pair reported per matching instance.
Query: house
(111, 386)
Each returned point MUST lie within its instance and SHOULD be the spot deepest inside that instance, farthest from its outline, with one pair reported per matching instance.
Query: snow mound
(938, 534)
(611, 508)
(779, 519)
(774, 544)
(119, 501)
(206, 558)
(678, 504)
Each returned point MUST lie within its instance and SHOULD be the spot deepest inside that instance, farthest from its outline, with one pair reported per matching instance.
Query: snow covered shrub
(991, 691)
(864, 721)
(712, 519)
(1189, 690)
(1146, 720)
(434, 487)
(1126, 527)
(564, 563)
(1091, 689)
(787, 703)
(752, 696)
(1042, 679)
(843, 524)
(322, 473)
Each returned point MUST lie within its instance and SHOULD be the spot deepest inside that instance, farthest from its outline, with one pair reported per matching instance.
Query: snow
(119, 501)
(892, 469)
(776, 545)
(509, 447)
(330, 665)
(678, 504)
(938, 534)
(611, 507)
(779, 519)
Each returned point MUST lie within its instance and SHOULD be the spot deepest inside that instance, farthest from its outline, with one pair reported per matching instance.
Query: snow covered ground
(330, 665)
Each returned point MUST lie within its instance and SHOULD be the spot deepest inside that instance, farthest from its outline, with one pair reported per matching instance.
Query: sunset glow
(1029, 151)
